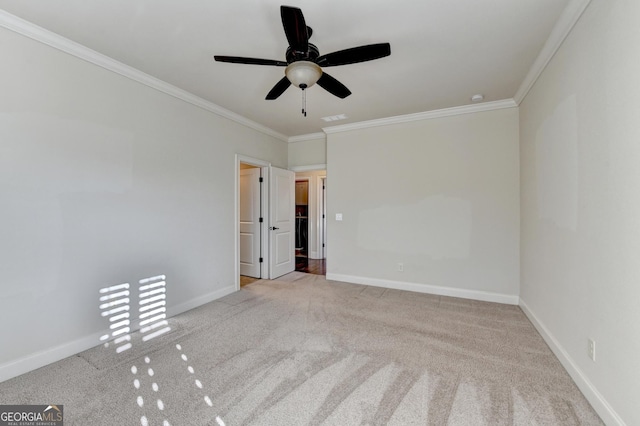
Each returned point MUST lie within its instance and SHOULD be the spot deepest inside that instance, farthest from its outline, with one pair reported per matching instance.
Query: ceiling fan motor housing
(295, 55)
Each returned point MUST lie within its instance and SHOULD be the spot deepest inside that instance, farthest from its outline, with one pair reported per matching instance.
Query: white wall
(104, 181)
(580, 156)
(440, 196)
(308, 152)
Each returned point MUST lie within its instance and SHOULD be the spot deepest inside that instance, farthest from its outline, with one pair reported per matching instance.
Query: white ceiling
(442, 51)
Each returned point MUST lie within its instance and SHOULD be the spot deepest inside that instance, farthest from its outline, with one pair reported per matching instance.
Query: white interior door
(281, 217)
(250, 222)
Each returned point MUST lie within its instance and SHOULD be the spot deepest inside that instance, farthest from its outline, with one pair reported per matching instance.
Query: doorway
(311, 222)
(264, 226)
(302, 218)
(250, 223)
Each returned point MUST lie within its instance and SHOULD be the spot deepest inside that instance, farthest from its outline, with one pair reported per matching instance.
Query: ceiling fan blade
(278, 89)
(333, 86)
(250, 61)
(295, 28)
(355, 55)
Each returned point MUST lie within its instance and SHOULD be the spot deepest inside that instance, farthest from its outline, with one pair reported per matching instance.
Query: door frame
(248, 183)
(264, 208)
(322, 213)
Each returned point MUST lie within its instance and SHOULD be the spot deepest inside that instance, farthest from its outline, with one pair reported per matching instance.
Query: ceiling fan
(304, 64)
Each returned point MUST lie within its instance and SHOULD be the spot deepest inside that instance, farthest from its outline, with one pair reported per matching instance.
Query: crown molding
(307, 137)
(28, 29)
(427, 115)
(561, 30)
(309, 168)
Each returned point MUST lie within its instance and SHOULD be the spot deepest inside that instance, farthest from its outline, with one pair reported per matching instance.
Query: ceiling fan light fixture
(303, 74)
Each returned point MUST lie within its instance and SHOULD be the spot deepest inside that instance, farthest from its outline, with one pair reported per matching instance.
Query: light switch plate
(338, 216)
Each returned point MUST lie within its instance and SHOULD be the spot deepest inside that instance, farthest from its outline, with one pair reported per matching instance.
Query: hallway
(311, 266)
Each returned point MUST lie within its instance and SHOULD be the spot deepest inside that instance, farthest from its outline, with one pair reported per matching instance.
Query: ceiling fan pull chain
(304, 102)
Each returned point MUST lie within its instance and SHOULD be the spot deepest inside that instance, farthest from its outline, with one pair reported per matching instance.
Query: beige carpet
(303, 350)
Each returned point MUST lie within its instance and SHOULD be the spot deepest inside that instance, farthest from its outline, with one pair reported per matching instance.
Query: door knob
(273, 228)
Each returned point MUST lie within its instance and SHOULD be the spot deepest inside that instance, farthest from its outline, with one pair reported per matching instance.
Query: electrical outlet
(400, 267)
(592, 349)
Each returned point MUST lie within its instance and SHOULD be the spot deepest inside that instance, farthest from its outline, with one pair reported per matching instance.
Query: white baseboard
(39, 359)
(485, 296)
(200, 300)
(597, 401)
(314, 255)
